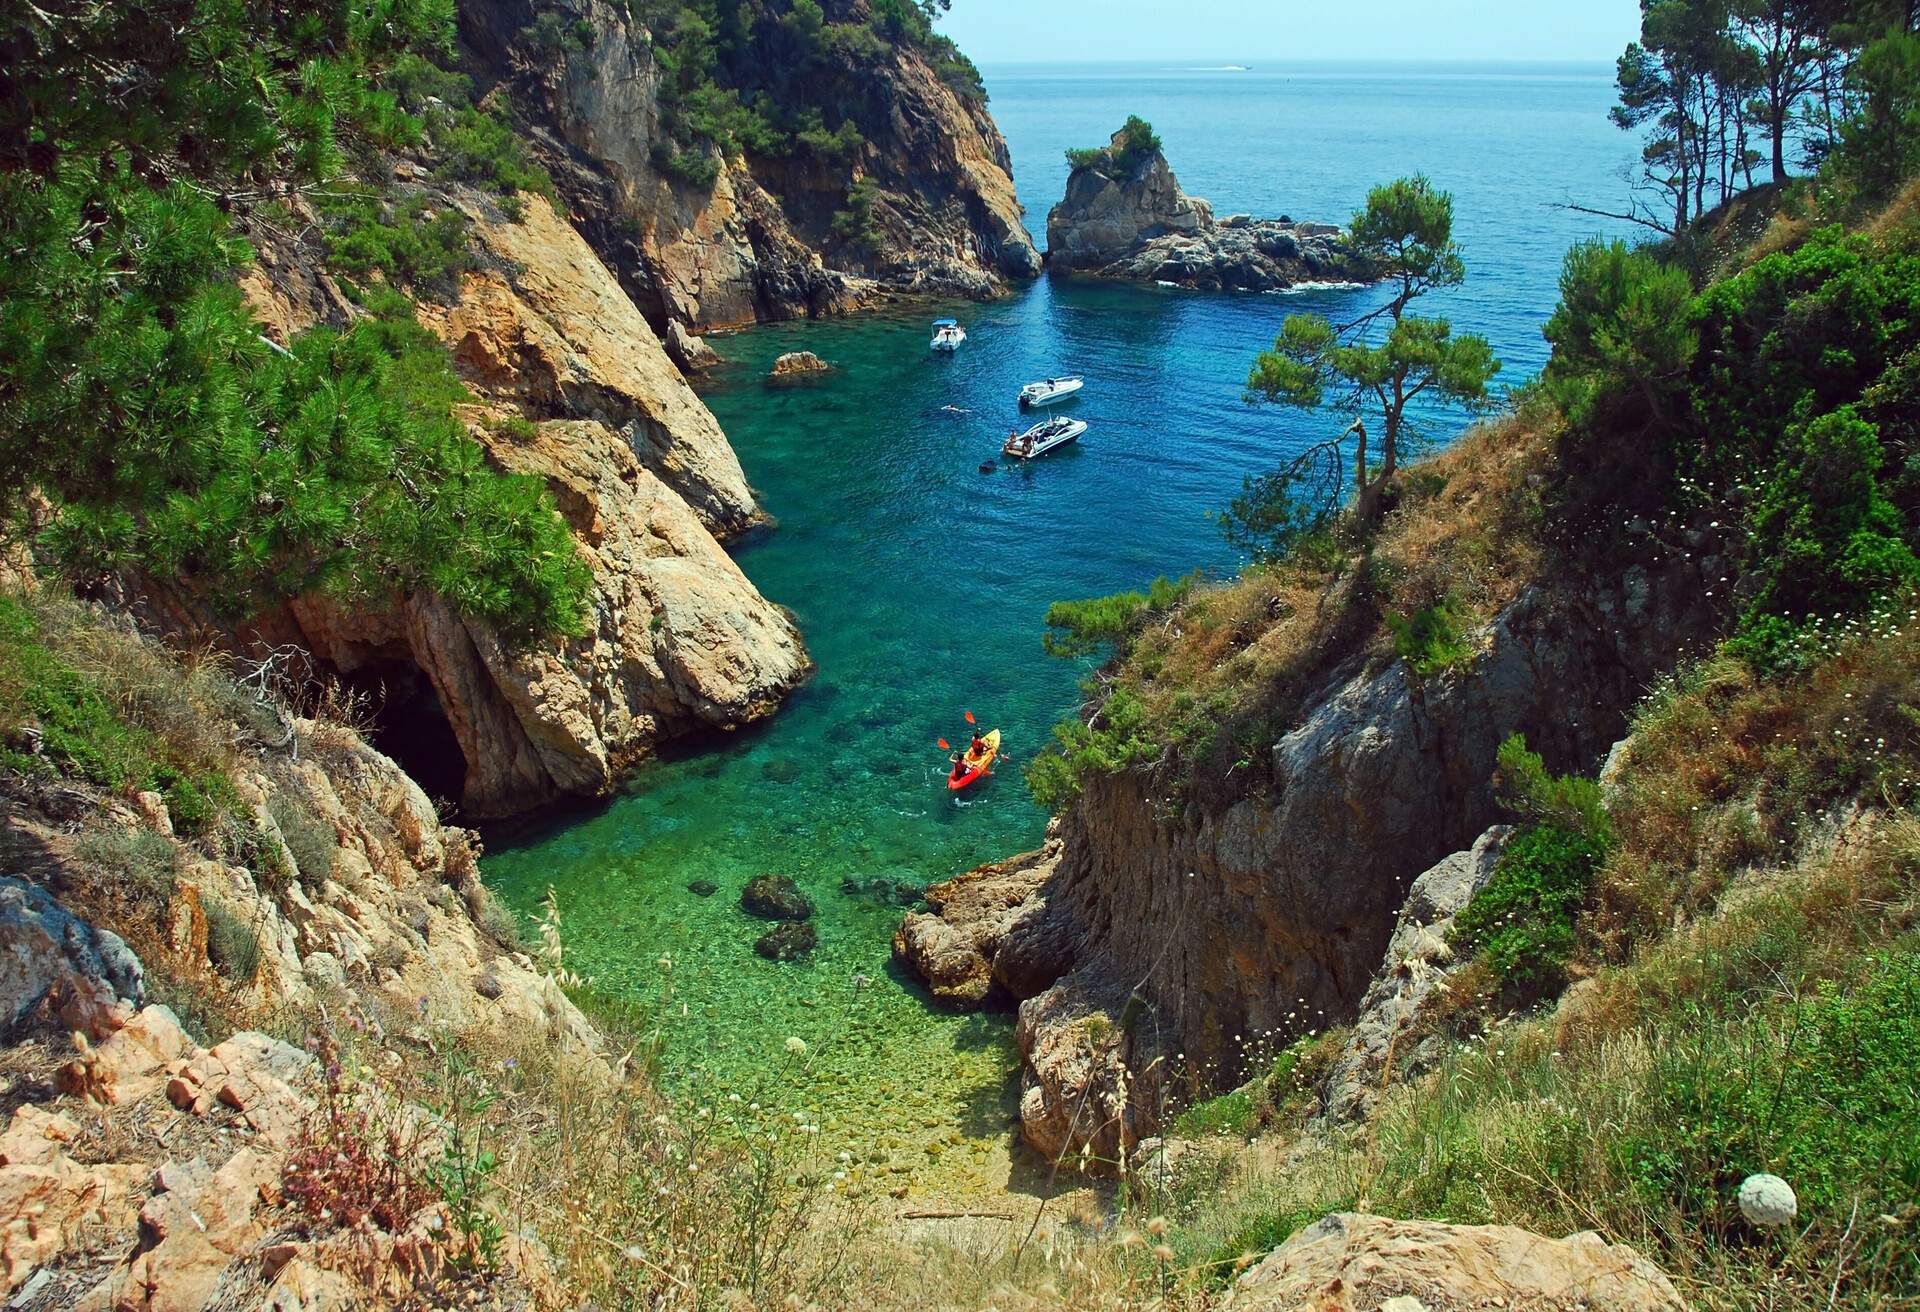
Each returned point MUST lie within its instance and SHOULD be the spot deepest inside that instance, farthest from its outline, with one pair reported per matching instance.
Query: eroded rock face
(1351, 1262)
(1138, 224)
(1268, 915)
(955, 945)
(798, 364)
(48, 955)
(1417, 962)
(759, 243)
(677, 637)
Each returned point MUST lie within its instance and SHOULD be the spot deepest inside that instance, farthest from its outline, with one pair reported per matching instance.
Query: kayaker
(979, 748)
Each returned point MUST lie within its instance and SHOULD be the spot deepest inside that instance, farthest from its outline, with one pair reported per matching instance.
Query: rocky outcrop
(677, 638)
(1177, 933)
(955, 945)
(1385, 1043)
(798, 364)
(1133, 221)
(1350, 1262)
(50, 956)
(760, 241)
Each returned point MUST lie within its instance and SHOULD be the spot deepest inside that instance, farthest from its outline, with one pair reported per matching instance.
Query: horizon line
(1251, 63)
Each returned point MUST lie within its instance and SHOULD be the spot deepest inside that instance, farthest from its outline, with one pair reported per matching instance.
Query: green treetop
(1373, 369)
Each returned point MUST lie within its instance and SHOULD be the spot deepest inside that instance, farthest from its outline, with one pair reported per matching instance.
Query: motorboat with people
(1043, 438)
(947, 335)
(1049, 390)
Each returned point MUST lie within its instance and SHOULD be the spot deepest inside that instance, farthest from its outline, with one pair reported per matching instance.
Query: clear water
(920, 583)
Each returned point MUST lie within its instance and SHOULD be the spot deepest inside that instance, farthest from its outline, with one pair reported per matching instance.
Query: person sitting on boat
(979, 748)
(1026, 444)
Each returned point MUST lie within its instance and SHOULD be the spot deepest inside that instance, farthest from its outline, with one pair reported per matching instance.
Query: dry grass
(1728, 771)
(1222, 673)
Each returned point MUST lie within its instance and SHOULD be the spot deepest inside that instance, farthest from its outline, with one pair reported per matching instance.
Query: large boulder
(775, 897)
(954, 945)
(44, 950)
(1350, 1262)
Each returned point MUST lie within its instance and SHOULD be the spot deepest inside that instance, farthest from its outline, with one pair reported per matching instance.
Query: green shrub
(144, 858)
(1081, 628)
(1123, 735)
(232, 945)
(1522, 921)
(409, 243)
(1825, 1095)
(1566, 801)
(480, 147)
(1433, 640)
(1231, 1113)
(1132, 145)
(856, 224)
(1260, 1235)
(311, 840)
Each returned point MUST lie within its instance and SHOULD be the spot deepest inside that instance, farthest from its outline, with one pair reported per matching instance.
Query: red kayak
(972, 768)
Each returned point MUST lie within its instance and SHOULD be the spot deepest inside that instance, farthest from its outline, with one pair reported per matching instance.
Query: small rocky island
(1124, 216)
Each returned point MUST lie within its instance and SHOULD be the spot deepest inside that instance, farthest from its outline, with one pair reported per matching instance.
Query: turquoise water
(920, 583)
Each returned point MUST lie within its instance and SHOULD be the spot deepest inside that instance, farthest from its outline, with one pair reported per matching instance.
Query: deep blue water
(920, 583)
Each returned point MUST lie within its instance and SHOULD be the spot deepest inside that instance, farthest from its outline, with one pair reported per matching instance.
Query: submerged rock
(702, 887)
(775, 897)
(788, 942)
(1135, 222)
(798, 364)
(885, 888)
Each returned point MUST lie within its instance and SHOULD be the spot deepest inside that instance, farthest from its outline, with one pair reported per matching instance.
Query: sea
(921, 584)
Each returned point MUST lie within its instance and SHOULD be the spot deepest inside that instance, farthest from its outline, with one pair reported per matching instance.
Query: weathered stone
(488, 985)
(1351, 1262)
(787, 942)
(44, 948)
(691, 353)
(129, 1065)
(775, 897)
(953, 946)
(702, 887)
(197, 1233)
(798, 364)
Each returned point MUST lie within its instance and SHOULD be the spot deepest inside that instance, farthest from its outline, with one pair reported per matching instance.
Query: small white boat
(1043, 438)
(1049, 390)
(947, 335)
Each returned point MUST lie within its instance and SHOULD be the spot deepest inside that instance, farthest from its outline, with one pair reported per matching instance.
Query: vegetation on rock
(1134, 144)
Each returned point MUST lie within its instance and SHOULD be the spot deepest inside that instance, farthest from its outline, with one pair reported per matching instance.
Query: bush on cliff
(1134, 144)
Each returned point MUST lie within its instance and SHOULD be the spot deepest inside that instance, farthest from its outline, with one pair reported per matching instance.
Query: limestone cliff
(677, 639)
(1152, 932)
(923, 203)
(1125, 216)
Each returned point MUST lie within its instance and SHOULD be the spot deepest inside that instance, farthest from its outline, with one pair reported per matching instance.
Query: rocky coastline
(1125, 216)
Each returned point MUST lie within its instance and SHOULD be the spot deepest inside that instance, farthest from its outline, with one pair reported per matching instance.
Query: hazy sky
(1241, 31)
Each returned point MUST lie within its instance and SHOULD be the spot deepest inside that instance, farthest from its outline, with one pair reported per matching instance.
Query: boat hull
(1029, 400)
(982, 765)
(1043, 443)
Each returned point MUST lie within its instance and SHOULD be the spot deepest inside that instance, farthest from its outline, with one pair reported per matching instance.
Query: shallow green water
(920, 583)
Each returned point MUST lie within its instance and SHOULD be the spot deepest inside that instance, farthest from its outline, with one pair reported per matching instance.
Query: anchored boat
(975, 766)
(947, 335)
(1043, 438)
(1049, 390)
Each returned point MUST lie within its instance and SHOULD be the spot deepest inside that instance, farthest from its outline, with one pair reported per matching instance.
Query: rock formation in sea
(1125, 216)
(915, 196)
(1144, 934)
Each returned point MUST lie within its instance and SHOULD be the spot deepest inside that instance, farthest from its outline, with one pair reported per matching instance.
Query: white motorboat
(947, 335)
(1049, 390)
(1043, 438)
